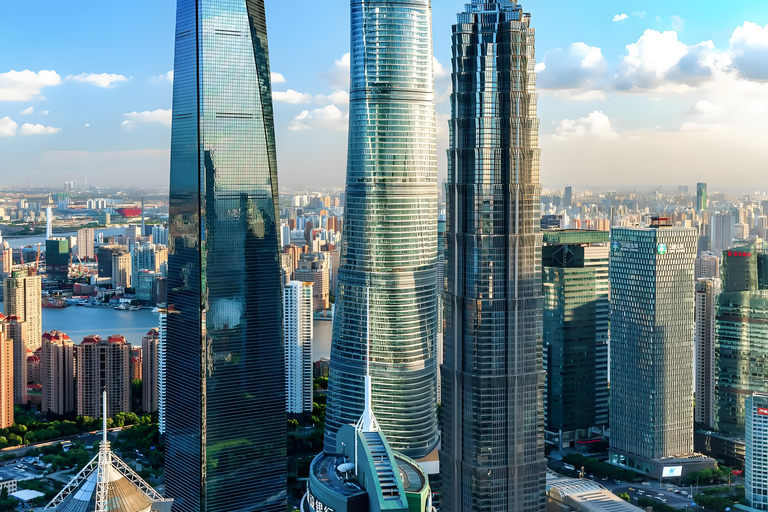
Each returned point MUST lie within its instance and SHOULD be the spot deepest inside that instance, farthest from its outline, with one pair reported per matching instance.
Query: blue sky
(669, 93)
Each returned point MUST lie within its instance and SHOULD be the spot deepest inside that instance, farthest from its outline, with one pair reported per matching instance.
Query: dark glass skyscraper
(701, 197)
(492, 456)
(225, 431)
(390, 230)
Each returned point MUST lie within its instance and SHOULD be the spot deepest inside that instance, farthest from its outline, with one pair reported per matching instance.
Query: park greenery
(719, 499)
(720, 475)
(601, 469)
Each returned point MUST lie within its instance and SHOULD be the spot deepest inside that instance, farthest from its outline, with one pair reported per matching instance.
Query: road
(88, 438)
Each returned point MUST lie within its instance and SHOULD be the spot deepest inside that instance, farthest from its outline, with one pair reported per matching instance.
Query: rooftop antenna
(368, 422)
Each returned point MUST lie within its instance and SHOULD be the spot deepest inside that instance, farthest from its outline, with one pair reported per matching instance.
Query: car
(617, 481)
(631, 488)
(676, 491)
(670, 489)
(684, 493)
(634, 498)
(660, 495)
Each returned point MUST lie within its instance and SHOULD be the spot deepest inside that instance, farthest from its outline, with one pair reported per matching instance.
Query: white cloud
(620, 17)
(27, 111)
(44, 112)
(639, 14)
(330, 117)
(37, 129)
(164, 78)
(147, 116)
(659, 60)
(596, 124)
(26, 85)
(292, 97)
(580, 66)
(336, 97)
(338, 76)
(106, 80)
(702, 107)
(277, 78)
(87, 125)
(749, 51)
(7, 127)
(678, 23)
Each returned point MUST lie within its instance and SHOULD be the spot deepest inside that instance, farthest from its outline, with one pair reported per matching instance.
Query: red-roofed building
(103, 364)
(57, 373)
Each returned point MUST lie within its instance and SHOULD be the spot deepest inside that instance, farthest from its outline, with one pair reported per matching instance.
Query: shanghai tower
(492, 454)
(390, 230)
(225, 421)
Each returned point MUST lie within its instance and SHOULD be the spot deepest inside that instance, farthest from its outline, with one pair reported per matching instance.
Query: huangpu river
(78, 322)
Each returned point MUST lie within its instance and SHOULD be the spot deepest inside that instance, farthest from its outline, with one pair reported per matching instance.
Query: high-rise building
(652, 320)
(297, 326)
(492, 454)
(226, 428)
(721, 229)
(151, 257)
(160, 235)
(701, 197)
(149, 370)
(742, 336)
(756, 451)
(568, 197)
(103, 364)
(57, 251)
(6, 255)
(707, 266)
(6, 377)
(57, 368)
(707, 292)
(22, 296)
(105, 253)
(390, 230)
(162, 343)
(121, 269)
(440, 301)
(17, 333)
(315, 268)
(86, 238)
(576, 320)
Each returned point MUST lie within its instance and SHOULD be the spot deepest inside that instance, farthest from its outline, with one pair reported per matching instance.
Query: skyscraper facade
(57, 368)
(22, 296)
(652, 321)
(390, 230)
(85, 244)
(576, 321)
(225, 402)
(103, 364)
(297, 321)
(707, 292)
(721, 232)
(701, 197)
(6, 377)
(149, 366)
(492, 455)
(756, 451)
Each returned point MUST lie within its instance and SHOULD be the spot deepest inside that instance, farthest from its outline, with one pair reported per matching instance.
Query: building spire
(368, 422)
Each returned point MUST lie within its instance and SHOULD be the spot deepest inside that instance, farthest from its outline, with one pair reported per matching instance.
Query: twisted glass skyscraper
(492, 455)
(390, 230)
(225, 397)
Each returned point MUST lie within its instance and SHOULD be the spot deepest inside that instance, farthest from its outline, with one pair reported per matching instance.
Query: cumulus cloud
(44, 112)
(164, 78)
(277, 78)
(291, 96)
(659, 60)
(749, 51)
(330, 117)
(338, 76)
(87, 125)
(26, 85)
(702, 107)
(37, 129)
(7, 127)
(27, 111)
(620, 17)
(579, 66)
(105, 80)
(148, 116)
(596, 124)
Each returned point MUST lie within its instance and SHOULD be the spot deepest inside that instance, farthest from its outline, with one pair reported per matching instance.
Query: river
(78, 322)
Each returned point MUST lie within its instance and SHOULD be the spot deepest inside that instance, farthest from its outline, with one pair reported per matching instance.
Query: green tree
(624, 496)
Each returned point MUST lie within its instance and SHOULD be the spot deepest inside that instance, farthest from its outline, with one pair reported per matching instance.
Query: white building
(297, 322)
(756, 448)
(722, 233)
(85, 243)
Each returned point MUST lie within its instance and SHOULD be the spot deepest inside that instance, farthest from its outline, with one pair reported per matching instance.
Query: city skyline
(695, 91)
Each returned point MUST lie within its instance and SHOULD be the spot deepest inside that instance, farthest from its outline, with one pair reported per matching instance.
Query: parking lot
(20, 471)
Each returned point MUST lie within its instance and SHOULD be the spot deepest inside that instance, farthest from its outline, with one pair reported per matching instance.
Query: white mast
(367, 422)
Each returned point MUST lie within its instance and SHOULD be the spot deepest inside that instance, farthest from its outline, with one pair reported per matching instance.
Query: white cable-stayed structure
(107, 483)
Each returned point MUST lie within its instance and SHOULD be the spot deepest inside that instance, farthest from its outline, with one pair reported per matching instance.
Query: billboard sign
(672, 471)
(762, 411)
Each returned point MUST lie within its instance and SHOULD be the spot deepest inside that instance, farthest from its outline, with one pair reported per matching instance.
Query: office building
(742, 336)
(721, 232)
(576, 320)
(390, 230)
(22, 298)
(160, 235)
(297, 326)
(103, 364)
(315, 268)
(162, 343)
(151, 257)
(6, 377)
(121, 269)
(756, 451)
(707, 292)
(652, 320)
(57, 368)
(568, 197)
(225, 342)
(492, 378)
(707, 266)
(701, 197)
(6, 254)
(104, 257)
(440, 301)
(57, 258)
(86, 237)
(149, 370)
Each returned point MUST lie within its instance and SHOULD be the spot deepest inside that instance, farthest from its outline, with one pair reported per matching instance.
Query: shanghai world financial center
(225, 343)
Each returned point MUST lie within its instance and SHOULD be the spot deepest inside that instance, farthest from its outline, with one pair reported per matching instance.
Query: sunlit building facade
(225, 421)
(390, 230)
